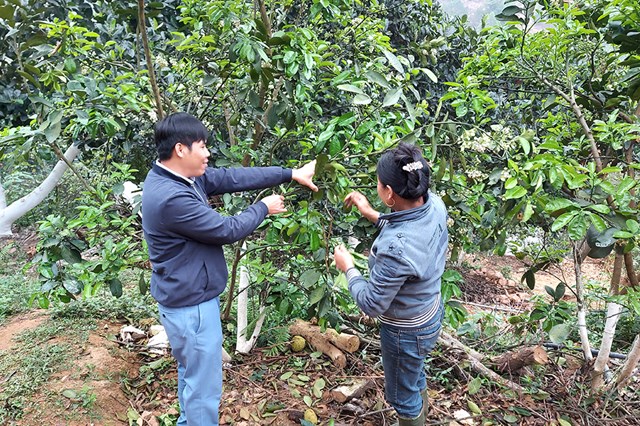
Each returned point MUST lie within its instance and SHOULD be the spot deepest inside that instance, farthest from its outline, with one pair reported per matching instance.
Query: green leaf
(326, 134)
(393, 60)
(600, 208)
(623, 235)
(510, 418)
(70, 254)
(633, 226)
(377, 78)
(525, 144)
(70, 393)
(350, 88)
(475, 386)
(511, 182)
(307, 400)
(314, 241)
(73, 286)
(319, 384)
(473, 406)
(361, 99)
(285, 376)
(52, 131)
(143, 285)
(115, 285)
(550, 291)
(309, 278)
(559, 333)
(430, 74)
(530, 278)
(6, 13)
(515, 193)
(559, 292)
(563, 220)
(528, 212)
(598, 222)
(316, 295)
(392, 97)
(118, 188)
(625, 185)
(577, 228)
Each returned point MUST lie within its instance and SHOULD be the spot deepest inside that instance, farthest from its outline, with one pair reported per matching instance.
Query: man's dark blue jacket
(185, 235)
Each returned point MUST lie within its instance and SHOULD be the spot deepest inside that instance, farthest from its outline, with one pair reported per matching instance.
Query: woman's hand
(305, 174)
(343, 258)
(357, 199)
(274, 203)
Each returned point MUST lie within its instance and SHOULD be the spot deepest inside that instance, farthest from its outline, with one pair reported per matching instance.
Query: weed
(15, 287)
(507, 272)
(131, 307)
(27, 368)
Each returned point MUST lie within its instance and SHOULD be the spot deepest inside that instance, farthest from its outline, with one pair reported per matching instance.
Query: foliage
(100, 224)
(545, 176)
(455, 313)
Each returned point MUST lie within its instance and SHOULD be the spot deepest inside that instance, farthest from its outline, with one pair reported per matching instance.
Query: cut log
(346, 342)
(511, 362)
(346, 393)
(318, 341)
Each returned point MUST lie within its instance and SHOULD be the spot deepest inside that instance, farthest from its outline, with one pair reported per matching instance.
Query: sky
(474, 9)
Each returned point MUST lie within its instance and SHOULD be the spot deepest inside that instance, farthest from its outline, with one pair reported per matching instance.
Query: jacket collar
(161, 169)
(409, 214)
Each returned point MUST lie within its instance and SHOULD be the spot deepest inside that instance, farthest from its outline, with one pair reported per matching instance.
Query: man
(185, 238)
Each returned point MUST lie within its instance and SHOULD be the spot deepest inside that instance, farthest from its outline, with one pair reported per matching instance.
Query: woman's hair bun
(405, 170)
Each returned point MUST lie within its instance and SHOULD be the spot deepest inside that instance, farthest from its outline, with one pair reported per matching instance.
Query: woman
(405, 265)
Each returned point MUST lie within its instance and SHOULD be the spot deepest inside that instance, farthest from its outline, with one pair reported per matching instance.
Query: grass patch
(131, 307)
(15, 286)
(37, 355)
(27, 369)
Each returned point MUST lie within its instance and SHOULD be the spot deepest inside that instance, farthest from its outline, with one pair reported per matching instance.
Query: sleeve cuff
(262, 206)
(352, 274)
(381, 223)
(287, 175)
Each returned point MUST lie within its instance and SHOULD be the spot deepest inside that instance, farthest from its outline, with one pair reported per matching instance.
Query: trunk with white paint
(9, 214)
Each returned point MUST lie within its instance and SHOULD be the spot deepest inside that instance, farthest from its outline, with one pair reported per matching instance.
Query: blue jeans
(195, 335)
(403, 354)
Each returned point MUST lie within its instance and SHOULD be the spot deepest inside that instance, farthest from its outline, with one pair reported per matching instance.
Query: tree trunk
(17, 209)
(244, 344)
(511, 362)
(597, 375)
(582, 310)
(3, 199)
(319, 341)
(632, 362)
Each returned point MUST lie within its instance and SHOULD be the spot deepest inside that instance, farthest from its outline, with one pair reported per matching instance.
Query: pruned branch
(475, 360)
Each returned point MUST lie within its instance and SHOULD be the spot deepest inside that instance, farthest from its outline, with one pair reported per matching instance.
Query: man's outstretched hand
(304, 175)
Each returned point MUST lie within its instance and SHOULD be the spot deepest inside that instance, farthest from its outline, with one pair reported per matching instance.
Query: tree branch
(147, 54)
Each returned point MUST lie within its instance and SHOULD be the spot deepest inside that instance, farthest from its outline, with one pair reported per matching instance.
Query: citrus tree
(550, 102)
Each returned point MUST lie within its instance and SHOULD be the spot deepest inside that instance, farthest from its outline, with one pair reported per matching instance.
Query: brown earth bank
(113, 383)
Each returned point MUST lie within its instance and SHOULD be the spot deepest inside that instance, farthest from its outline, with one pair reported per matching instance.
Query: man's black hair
(179, 127)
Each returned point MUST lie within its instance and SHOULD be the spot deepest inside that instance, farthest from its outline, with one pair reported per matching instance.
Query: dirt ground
(265, 389)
